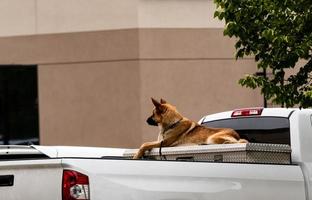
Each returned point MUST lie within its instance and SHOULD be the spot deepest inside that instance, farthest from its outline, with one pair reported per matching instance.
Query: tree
(278, 33)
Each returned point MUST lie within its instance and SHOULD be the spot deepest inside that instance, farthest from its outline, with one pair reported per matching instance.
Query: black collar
(172, 125)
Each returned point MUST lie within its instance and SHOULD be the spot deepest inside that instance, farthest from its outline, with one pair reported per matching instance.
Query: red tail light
(247, 112)
(75, 186)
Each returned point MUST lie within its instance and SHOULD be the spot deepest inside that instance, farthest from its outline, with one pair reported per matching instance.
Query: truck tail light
(247, 112)
(75, 186)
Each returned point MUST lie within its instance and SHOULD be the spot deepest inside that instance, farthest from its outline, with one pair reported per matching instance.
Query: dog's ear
(162, 101)
(156, 103)
(159, 107)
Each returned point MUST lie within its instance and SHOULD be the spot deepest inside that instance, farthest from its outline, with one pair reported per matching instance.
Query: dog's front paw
(146, 147)
(138, 155)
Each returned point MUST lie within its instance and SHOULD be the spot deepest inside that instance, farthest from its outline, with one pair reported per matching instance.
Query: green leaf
(279, 34)
(239, 54)
(238, 44)
(221, 16)
(216, 14)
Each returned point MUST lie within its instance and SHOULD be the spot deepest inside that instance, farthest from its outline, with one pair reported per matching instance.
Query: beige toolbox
(229, 153)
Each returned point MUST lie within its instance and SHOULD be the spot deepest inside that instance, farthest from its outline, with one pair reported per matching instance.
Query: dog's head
(163, 114)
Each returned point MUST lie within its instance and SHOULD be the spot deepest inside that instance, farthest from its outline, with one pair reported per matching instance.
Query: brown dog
(176, 130)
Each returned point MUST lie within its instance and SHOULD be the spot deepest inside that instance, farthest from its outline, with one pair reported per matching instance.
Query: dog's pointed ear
(162, 101)
(156, 103)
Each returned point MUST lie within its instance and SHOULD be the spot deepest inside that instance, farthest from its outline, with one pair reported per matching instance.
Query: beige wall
(100, 61)
(17, 17)
(194, 69)
(95, 87)
(70, 48)
(90, 104)
(177, 14)
(20, 17)
(58, 16)
(185, 43)
(196, 87)
(105, 102)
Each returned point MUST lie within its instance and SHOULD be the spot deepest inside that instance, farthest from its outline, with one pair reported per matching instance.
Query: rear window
(274, 130)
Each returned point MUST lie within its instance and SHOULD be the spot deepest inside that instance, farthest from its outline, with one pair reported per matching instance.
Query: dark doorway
(19, 121)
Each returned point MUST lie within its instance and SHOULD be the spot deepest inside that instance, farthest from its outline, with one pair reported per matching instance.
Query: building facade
(98, 63)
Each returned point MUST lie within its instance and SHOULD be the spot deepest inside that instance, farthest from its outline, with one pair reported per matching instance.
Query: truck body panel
(156, 180)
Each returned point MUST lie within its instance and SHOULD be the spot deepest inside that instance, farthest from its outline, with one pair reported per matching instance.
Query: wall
(100, 61)
(19, 17)
(193, 69)
(90, 104)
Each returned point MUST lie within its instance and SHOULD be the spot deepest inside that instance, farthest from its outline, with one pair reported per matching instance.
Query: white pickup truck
(71, 173)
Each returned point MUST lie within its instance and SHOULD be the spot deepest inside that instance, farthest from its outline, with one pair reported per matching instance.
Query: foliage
(278, 33)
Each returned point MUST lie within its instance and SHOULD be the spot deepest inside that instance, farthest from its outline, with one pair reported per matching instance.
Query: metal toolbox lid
(216, 148)
(279, 148)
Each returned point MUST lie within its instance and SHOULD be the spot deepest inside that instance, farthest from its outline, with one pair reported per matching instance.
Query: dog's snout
(151, 121)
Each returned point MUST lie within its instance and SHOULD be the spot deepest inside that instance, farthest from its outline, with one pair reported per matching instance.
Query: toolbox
(228, 153)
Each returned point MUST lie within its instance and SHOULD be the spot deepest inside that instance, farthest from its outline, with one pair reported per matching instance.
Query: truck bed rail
(11, 152)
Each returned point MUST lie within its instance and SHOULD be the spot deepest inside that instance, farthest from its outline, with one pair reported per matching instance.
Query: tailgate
(31, 179)
(25, 174)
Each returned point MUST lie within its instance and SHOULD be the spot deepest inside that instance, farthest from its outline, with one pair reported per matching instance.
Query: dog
(176, 130)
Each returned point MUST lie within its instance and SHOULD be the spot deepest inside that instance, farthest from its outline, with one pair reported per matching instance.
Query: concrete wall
(193, 69)
(20, 17)
(99, 62)
(91, 104)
